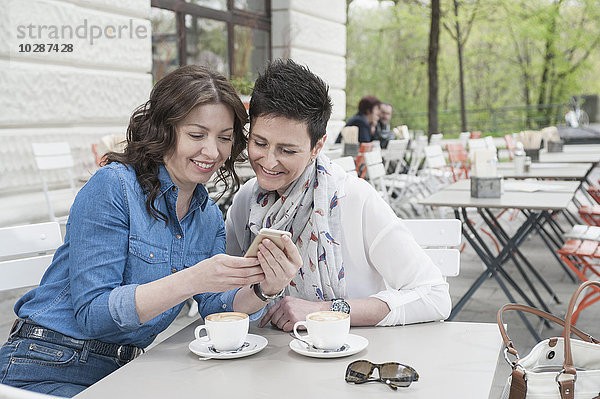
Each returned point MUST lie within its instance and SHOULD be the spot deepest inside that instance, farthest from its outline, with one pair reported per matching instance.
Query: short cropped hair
(367, 103)
(289, 90)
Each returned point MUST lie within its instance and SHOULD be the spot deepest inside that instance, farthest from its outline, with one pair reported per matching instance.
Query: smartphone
(271, 234)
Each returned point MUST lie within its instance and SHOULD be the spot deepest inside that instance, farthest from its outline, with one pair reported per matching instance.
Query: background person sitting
(366, 118)
(383, 130)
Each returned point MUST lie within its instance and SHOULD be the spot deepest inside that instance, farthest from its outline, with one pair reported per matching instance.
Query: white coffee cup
(225, 331)
(326, 330)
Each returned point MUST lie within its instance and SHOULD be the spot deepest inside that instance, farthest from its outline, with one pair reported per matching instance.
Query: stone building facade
(88, 86)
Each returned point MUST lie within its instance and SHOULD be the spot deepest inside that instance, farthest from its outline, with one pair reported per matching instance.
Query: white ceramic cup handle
(301, 337)
(197, 333)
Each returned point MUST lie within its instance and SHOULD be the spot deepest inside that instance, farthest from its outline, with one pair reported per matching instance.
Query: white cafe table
(576, 171)
(556, 186)
(453, 359)
(571, 157)
(579, 148)
(538, 207)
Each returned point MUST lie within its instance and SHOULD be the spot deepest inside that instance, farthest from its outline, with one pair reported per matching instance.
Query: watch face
(339, 305)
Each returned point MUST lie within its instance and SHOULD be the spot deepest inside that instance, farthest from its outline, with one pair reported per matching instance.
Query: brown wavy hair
(151, 133)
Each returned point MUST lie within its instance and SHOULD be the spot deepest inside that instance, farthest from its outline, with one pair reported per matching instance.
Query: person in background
(356, 255)
(142, 237)
(383, 130)
(366, 119)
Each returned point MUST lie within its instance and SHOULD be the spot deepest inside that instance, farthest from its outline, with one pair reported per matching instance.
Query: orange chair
(580, 257)
(590, 214)
(510, 145)
(100, 160)
(361, 166)
(594, 192)
(476, 134)
(459, 160)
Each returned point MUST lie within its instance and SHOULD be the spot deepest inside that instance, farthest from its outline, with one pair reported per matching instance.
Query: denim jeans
(49, 368)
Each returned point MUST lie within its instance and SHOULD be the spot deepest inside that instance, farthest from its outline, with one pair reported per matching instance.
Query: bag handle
(528, 309)
(568, 364)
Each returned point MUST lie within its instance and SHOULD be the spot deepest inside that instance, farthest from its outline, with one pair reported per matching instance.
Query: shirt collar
(199, 198)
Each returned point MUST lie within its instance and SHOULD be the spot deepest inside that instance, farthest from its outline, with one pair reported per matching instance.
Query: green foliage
(243, 84)
(504, 60)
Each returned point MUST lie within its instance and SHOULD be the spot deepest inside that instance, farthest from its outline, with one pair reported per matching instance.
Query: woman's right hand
(279, 266)
(224, 272)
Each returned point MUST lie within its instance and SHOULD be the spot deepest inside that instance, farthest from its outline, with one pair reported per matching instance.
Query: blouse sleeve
(416, 291)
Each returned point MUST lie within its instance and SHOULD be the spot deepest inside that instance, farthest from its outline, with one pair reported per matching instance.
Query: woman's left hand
(279, 266)
(285, 313)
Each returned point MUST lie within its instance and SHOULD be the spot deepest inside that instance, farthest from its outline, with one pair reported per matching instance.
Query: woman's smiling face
(204, 140)
(279, 151)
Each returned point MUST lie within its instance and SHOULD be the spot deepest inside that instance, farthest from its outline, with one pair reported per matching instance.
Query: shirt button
(224, 306)
(173, 188)
(173, 270)
(178, 236)
(151, 255)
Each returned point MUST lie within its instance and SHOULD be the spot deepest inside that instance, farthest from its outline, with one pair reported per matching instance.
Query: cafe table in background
(453, 359)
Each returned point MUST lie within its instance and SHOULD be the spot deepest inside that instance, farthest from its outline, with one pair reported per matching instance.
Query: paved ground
(481, 308)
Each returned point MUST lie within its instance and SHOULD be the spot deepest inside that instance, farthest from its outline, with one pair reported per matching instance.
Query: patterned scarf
(309, 210)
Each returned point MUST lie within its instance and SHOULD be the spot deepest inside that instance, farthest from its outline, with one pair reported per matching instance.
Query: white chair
(402, 132)
(436, 139)
(407, 188)
(437, 236)
(395, 152)
(347, 163)
(476, 144)
(489, 143)
(52, 157)
(26, 252)
(436, 173)
(376, 172)
(463, 138)
(8, 392)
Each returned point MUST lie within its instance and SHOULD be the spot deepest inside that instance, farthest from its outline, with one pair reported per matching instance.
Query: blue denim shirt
(111, 246)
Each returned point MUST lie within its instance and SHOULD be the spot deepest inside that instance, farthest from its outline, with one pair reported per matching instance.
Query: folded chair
(458, 157)
(347, 163)
(375, 172)
(510, 146)
(53, 157)
(394, 155)
(590, 214)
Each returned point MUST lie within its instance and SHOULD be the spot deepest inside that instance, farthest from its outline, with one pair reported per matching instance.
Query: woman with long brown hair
(142, 237)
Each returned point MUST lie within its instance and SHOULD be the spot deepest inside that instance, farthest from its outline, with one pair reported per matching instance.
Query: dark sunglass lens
(397, 374)
(358, 371)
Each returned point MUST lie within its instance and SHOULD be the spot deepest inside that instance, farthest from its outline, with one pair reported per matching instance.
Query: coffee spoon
(212, 349)
(310, 347)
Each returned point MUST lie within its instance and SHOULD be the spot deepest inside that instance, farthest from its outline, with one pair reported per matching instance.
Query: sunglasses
(393, 374)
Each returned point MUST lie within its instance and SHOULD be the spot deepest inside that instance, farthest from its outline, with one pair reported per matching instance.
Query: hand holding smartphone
(272, 234)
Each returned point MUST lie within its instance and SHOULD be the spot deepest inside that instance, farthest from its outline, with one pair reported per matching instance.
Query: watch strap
(261, 295)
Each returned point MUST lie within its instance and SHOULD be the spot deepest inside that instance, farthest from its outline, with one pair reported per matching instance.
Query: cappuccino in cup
(224, 331)
(326, 330)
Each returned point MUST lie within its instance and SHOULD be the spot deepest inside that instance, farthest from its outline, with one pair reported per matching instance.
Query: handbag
(555, 368)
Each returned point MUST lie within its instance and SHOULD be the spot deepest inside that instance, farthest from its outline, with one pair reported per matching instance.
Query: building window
(229, 36)
(164, 42)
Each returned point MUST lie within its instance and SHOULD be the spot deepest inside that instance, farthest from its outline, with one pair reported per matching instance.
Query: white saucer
(355, 343)
(256, 344)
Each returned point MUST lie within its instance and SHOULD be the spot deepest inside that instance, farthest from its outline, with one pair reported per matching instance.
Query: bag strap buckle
(507, 352)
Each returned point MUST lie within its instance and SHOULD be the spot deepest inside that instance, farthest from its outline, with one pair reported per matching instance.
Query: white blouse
(381, 258)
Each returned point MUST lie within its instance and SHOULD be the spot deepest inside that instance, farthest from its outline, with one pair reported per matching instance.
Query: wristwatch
(340, 305)
(262, 296)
